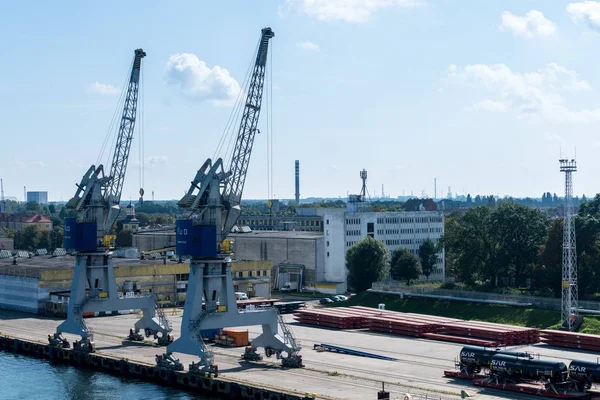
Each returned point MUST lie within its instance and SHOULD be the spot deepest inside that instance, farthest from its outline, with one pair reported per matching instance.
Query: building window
(249, 273)
(328, 243)
(240, 274)
(327, 254)
(327, 222)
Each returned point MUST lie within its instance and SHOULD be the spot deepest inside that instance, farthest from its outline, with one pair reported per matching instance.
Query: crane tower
(570, 309)
(94, 209)
(213, 202)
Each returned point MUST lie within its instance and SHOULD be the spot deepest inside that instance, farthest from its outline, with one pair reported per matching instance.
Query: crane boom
(123, 144)
(240, 160)
(97, 198)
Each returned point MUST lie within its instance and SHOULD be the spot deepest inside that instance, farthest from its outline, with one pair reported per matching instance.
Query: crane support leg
(94, 289)
(212, 278)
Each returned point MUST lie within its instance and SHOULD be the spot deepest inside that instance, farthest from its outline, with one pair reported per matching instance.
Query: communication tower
(569, 310)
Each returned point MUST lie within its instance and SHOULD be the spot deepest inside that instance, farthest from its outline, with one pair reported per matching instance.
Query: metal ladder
(162, 318)
(208, 356)
(288, 335)
(78, 311)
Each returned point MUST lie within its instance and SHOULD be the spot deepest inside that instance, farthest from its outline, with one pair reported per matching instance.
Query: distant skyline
(484, 96)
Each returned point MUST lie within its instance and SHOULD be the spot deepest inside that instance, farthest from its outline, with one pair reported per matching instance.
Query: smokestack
(297, 170)
(434, 188)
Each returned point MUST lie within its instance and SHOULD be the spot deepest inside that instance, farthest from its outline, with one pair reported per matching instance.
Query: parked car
(336, 299)
(325, 300)
(340, 297)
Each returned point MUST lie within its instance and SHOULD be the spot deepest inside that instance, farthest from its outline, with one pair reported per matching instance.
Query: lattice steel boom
(570, 308)
(125, 136)
(234, 185)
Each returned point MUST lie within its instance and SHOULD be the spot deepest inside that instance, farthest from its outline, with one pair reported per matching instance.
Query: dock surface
(418, 368)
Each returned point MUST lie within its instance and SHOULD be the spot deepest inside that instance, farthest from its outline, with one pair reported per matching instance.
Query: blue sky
(482, 95)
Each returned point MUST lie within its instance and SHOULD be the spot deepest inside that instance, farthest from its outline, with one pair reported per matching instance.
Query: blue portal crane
(96, 205)
(213, 204)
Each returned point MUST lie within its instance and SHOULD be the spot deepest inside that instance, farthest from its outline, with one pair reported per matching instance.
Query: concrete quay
(418, 369)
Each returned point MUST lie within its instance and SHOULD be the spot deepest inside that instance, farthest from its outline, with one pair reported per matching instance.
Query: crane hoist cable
(229, 132)
(112, 132)
(141, 138)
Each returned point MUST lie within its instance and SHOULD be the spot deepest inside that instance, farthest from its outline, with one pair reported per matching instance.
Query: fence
(549, 303)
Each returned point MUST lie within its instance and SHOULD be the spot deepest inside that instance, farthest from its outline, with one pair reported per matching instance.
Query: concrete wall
(153, 241)
(21, 293)
(334, 249)
(7, 244)
(276, 250)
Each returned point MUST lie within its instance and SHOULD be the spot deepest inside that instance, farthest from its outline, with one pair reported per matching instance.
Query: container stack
(571, 340)
(232, 337)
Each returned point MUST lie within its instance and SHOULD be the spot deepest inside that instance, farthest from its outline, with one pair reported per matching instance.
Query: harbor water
(34, 379)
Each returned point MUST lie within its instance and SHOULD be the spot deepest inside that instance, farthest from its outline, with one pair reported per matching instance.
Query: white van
(241, 296)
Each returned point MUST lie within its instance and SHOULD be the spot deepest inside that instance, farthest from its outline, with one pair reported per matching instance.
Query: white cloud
(199, 82)
(157, 161)
(531, 24)
(489, 105)
(535, 94)
(306, 45)
(551, 137)
(345, 10)
(103, 88)
(586, 11)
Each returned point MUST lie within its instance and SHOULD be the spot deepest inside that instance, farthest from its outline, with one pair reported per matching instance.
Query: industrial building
(19, 221)
(26, 284)
(306, 223)
(38, 197)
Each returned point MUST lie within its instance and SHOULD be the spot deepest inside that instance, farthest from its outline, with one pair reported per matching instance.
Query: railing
(288, 335)
(208, 356)
(549, 303)
(162, 318)
(78, 310)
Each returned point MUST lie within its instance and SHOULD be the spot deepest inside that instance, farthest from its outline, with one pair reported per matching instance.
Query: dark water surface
(24, 378)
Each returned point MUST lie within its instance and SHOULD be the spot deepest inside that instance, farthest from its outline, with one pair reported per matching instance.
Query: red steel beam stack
(332, 318)
(501, 334)
(419, 325)
(571, 340)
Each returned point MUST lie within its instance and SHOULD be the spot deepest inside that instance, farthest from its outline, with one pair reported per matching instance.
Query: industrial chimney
(297, 181)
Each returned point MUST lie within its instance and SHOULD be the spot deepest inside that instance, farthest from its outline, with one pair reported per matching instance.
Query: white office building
(344, 227)
(398, 230)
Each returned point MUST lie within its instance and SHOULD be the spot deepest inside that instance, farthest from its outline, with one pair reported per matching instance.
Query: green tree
(43, 240)
(427, 257)
(518, 232)
(32, 206)
(145, 219)
(27, 238)
(124, 239)
(63, 213)
(405, 266)
(546, 276)
(470, 248)
(367, 261)
(56, 237)
(52, 208)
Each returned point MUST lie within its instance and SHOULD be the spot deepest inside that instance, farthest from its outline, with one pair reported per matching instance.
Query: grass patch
(531, 317)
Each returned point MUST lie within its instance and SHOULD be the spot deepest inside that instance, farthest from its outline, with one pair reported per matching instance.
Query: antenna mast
(570, 308)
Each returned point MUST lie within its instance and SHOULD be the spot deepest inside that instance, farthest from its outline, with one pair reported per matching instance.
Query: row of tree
(31, 238)
(515, 246)
(369, 260)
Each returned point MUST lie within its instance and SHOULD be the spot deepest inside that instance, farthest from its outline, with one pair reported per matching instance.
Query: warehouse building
(27, 285)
